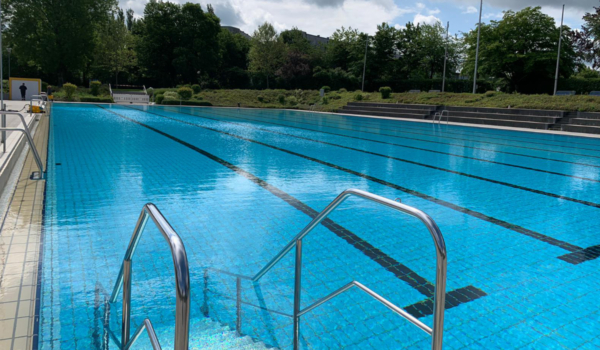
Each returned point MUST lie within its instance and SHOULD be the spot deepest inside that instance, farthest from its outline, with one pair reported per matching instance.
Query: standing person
(23, 89)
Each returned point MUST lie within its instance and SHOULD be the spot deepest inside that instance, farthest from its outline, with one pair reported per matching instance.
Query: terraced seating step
(387, 114)
(581, 128)
(500, 122)
(514, 111)
(394, 105)
(590, 122)
(506, 116)
(586, 115)
(385, 109)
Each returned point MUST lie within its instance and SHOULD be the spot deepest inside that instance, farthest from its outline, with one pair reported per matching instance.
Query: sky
(323, 17)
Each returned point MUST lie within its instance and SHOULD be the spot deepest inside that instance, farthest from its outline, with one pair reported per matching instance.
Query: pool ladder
(36, 175)
(439, 115)
(182, 279)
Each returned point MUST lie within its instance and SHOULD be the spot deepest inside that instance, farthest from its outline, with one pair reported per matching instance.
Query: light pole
(1, 68)
(559, 46)
(477, 52)
(9, 52)
(365, 63)
(445, 57)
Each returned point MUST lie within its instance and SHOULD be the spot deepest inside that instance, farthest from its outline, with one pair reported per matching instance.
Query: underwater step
(207, 334)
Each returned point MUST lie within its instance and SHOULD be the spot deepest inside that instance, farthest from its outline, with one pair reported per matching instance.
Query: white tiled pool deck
(20, 236)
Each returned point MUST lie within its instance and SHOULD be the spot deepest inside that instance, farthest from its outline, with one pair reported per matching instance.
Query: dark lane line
(402, 137)
(401, 271)
(504, 224)
(502, 183)
(467, 140)
(377, 141)
(478, 134)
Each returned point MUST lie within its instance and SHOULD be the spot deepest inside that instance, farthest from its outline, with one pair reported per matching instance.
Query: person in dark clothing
(23, 89)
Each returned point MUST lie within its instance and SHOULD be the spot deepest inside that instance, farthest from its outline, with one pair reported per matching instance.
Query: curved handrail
(436, 234)
(182, 276)
(36, 155)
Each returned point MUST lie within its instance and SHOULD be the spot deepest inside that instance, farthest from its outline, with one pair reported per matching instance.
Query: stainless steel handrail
(4, 114)
(151, 335)
(377, 297)
(182, 276)
(36, 155)
(441, 266)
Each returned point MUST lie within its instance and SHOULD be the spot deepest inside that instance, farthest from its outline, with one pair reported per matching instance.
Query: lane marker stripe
(504, 224)
(401, 271)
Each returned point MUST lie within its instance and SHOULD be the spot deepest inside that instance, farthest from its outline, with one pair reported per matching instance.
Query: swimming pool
(519, 213)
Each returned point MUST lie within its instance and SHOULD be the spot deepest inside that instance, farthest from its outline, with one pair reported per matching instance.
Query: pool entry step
(207, 333)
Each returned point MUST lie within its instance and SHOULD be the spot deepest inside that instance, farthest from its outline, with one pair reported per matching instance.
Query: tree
(115, 50)
(177, 43)
(588, 39)
(267, 52)
(385, 52)
(130, 20)
(524, 59)
(55, 36)
(234, 59)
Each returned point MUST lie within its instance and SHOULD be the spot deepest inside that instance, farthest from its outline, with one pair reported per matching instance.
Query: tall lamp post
(477, 52)
(559, 46)
(9, 52)
(1, 68)
(445, 57)
(365, 62)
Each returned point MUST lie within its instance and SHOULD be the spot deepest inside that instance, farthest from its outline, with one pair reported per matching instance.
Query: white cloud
(315, 17)
(419, 18)
(471, 9)
(434, 12)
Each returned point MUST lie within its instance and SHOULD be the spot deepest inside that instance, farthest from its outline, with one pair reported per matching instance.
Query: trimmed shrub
(325, 100)
(260, 99)
(197, 88)
(95, 87)
(69, 90)
(100, 99)
(159, 98)
(292, 100)
(197, 97)
(185, 93)
(188, 103)
(335, 97)
(326, 88)
(150, 91)
(358, 97)
(342, 90)
(385, 91)
(281, 99)
(171, 96)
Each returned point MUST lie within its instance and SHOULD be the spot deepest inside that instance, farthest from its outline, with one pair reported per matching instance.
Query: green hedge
(581, 86)
(188, 103)
(102, 99)
(452, 85)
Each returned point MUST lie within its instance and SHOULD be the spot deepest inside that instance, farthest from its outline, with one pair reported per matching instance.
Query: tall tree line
(172, 44)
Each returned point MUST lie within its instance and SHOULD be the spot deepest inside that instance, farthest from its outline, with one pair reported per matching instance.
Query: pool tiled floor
(20, 251)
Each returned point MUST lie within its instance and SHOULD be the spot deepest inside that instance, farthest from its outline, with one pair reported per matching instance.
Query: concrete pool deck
(20, 237)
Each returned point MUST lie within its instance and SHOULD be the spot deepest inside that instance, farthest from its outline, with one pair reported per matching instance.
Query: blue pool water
(519, 212)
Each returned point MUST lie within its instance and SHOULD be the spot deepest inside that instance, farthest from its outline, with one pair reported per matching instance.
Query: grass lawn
(303, 99)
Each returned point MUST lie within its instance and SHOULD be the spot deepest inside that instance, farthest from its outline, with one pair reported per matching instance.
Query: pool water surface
(519, 211)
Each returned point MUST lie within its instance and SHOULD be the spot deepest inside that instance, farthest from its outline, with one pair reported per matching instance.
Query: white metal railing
(28, 137)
